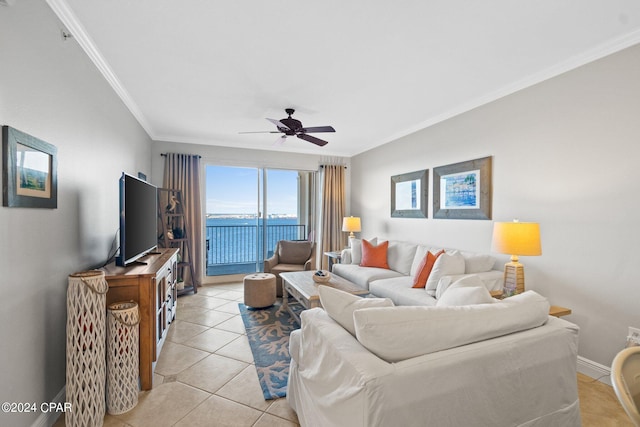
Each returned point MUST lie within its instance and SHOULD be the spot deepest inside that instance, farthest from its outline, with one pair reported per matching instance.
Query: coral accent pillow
(420, 280)
(374, 256)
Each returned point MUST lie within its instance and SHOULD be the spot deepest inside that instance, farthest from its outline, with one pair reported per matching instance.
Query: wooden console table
(153, 287)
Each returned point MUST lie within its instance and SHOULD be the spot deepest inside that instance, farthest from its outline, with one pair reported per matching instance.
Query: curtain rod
(322, 166)
(199, 156)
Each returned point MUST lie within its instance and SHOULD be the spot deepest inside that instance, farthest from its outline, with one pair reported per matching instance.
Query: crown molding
(73, 25)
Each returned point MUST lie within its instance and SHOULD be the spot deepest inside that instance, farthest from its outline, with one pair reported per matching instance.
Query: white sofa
(500, 364)
(404, 258)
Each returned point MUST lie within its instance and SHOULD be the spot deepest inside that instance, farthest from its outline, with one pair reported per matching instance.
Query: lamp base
(514, 277)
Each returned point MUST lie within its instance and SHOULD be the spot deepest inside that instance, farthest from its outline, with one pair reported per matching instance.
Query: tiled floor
(205, 375)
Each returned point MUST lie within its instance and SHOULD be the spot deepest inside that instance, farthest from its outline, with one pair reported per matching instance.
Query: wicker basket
(322, 279)
(86, 377)
(122, 357)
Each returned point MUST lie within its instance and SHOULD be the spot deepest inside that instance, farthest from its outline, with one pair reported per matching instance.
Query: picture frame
(29, 171)
(409, 194)
(463, 190)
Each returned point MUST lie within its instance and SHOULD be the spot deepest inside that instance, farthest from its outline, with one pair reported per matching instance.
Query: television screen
(138, 219)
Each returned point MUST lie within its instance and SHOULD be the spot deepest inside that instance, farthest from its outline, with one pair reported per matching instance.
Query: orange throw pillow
(424, 269)
(374, 256)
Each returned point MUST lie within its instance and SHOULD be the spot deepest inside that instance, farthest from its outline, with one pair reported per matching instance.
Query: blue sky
(234, 190)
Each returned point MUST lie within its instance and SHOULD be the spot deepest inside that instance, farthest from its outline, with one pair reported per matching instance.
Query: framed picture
(463, 190)
(29, 171)
(409, 194)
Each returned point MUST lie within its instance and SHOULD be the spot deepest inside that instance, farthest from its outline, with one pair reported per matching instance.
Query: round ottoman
(260, 290)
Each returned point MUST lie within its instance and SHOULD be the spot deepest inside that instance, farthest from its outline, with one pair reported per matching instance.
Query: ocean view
(236, 239)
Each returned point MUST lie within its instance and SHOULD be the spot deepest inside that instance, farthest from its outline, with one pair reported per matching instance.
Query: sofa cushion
(424, 270)
(362, 276)
(340, 305)
(477, 263)
(294, 252)
(356, 249)
(374, 255)
(400, 291)
(447, 264)
(399, 333)
(493, 280)
(400, 256)
(466, 291)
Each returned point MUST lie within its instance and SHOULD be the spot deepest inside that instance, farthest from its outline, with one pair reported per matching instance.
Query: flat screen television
(138, 219)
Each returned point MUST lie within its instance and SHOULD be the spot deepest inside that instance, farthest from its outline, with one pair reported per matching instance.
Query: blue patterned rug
(268, 331)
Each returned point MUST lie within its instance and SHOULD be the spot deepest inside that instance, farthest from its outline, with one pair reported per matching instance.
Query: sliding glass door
(249, 210)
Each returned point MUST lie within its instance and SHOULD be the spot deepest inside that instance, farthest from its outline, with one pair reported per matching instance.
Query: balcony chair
(625, 377)
(290, 255)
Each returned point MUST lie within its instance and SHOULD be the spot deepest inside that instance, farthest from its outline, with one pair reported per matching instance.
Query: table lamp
(515, 238)
(351, 224)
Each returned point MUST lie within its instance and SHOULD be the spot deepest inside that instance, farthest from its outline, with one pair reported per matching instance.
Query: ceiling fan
(291, 127)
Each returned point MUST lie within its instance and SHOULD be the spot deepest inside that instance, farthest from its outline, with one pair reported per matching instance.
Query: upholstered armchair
(290, 255)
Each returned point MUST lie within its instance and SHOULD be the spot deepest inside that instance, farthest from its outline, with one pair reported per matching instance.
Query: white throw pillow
(400, 256)
(478, 263)
(399, 333)
(340, 305)
(356, 249)
(447, 264)
(466, 291)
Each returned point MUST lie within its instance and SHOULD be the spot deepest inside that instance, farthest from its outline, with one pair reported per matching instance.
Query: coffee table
(301, 286)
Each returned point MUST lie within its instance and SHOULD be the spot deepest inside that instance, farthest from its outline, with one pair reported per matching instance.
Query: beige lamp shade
(351, 224)
(516, 238)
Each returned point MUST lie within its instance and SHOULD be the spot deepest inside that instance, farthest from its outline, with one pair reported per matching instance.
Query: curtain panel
(333, 210)
(182, 172)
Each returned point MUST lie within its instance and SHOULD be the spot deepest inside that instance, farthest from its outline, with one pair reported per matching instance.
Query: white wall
(51, 90)
(566, 154)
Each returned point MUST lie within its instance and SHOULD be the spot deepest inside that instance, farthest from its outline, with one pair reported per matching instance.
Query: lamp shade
(516, 238)
(351, 224)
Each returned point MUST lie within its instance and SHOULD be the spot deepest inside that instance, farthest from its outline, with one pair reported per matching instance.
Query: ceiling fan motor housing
(293, 125)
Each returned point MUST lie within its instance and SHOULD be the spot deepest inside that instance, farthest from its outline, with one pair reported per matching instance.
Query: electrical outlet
(634, 336)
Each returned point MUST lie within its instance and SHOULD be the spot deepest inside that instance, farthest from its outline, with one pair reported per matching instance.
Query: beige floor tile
(238, 349)
(230, 307)
(175, 358)
(235, 324)
(232, 295)
(181, 331)
(245, 388)
(205, 301)
(212, 339)
(281, 408)
(211, 373)
(202, 316)
(211, 290)
(268, 420)
(164, 405)
(220, 412)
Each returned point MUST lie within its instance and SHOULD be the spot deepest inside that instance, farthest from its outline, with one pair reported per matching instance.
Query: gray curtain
(333, 210)
(182, 172)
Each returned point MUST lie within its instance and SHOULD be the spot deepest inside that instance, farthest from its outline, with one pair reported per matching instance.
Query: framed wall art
(29, 171)
(463, 190)
(409, 193)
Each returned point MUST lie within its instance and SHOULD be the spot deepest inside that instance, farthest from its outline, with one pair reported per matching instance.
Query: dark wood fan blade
(278, 123)
(318, 129)
(312, 139)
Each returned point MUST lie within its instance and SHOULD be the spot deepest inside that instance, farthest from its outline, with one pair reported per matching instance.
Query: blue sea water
(238, 240)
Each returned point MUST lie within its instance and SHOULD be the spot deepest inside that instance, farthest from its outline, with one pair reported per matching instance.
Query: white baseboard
(594, 370)
(47, 419)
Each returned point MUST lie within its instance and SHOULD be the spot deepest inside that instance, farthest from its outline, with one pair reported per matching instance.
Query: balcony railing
(235, 248)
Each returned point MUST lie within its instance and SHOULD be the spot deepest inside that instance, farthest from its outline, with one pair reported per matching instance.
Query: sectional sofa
(404, 259)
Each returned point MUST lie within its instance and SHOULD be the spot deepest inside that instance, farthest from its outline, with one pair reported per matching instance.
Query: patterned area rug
(268, 331)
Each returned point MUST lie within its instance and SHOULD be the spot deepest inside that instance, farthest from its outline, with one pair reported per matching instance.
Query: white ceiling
(198, 71)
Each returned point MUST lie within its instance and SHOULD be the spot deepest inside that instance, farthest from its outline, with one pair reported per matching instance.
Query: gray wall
(51, 90)
(565, 154)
